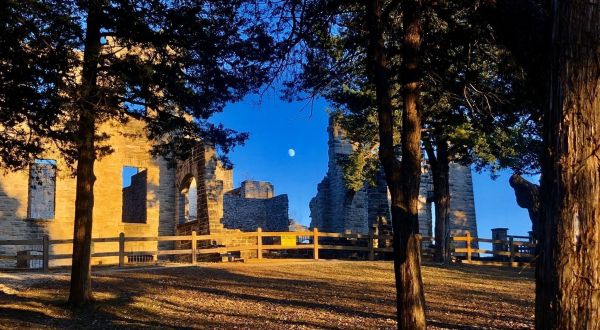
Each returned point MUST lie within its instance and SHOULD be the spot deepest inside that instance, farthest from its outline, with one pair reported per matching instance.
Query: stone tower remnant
(336, 208)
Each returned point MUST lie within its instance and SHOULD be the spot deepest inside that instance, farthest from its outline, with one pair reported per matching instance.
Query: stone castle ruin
(135, 194)
(140, 195)
(335, 208)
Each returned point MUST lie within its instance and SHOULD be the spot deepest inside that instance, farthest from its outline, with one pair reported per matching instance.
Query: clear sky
(276, 126)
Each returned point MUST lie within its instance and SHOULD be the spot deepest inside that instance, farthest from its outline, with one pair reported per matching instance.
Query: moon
(291, 152)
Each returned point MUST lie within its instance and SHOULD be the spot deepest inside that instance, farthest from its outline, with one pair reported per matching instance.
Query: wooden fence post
(372, 243)
(46, 253)
(316, 243)
(511, 249)
(121, 249)
(468, 245)
(259, 251)
(194, 247)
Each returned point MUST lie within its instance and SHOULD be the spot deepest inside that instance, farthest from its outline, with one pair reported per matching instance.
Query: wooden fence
(318, 241)
(510, 251)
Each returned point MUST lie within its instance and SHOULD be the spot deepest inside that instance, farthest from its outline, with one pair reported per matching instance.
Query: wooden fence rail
(512, 249)
(371, 244)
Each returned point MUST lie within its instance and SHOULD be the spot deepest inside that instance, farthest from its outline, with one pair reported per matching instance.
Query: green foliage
(36, 55)
(515, 148)
(474, 95)
(334, 66)
(171, 64)
(360, 168)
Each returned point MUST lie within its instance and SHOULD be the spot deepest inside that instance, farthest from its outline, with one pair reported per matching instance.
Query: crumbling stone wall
(212, 181)
(253, 205)
(42, 190)
(161, 198)
(255, 189)
(131, 148)
(462, 201)
(337, 209)
(425, 201)
(134, 199)
(220, 208)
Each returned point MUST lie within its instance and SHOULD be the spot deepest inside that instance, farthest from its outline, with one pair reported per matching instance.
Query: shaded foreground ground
(270, 295)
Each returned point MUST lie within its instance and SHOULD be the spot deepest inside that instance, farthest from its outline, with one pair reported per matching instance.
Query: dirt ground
(270, 295)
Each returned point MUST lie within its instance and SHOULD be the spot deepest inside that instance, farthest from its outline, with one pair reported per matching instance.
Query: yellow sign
(288, 240)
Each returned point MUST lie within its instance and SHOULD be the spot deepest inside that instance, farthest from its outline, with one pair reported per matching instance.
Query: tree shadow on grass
(125, 290)
(488, 272)
(212, 297)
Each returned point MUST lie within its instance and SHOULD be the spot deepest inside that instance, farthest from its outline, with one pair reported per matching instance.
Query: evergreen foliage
(171, 64)
(70, 66)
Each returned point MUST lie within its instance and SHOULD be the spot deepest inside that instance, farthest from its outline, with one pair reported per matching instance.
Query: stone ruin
(335, 208)
(160, 200)
(197, 195)
(217, 206)
(253, 205)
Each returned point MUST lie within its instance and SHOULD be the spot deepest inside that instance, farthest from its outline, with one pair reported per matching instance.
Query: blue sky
(276, 126)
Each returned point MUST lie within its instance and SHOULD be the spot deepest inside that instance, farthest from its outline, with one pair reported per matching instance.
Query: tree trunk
(570, 260)
(408, 261)
(81, 289)
(403, 178)
(440, 170)
(528, 197)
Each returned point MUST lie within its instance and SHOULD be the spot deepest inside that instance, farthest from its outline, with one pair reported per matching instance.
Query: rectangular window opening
(135, 182)
(42, 190)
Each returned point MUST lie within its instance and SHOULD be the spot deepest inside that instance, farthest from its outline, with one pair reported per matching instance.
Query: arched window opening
(188, 206)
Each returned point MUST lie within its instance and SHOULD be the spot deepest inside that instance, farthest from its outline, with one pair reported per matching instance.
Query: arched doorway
(188, 201)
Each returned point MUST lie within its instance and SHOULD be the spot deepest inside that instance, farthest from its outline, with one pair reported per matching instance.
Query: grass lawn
(270, 295)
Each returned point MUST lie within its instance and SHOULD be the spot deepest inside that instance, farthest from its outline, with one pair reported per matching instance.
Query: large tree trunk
(567, 272)
(570, 260)
(439, 162)
(81, 289)
(403, 178)
(528, 197)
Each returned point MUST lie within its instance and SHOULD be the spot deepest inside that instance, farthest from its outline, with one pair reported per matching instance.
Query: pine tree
(558, 44)
(69, 66)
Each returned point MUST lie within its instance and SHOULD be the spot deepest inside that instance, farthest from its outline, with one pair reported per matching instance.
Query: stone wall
(220, 208)
(212, 181)
(42, 190)
(252, 206)
(425, 196)
(131, 148)
(151, 206)
(337, 209)
(256, 189)
(462, 201)
(379, 209)
(134, 199)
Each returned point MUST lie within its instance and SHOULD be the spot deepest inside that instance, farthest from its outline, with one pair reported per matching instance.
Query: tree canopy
(70, 66)
(170, 64)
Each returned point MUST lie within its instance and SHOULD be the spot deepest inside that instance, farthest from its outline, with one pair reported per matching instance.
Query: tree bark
(570, 187)
(439, 162)
(403, 177)
(528, 197)
(568, 267)
(81, 289)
